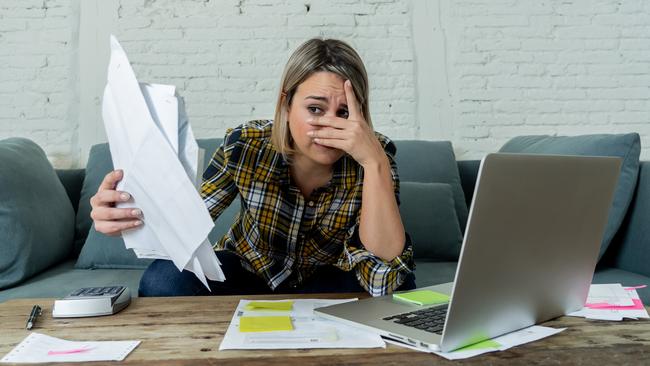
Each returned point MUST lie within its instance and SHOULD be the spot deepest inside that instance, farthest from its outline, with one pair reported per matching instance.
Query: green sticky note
(488, 343)
(269, 306)
(422, 297)
(264, 323)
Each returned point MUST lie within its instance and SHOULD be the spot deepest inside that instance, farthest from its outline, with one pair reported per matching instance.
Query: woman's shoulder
(255, 130)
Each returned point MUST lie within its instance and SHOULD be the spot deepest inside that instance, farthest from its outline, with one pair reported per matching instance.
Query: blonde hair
(315, 55)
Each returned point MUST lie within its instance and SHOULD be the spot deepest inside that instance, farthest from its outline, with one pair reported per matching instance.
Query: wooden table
(188, 331)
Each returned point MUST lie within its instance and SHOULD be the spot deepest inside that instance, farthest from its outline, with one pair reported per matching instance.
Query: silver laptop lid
(531, 245)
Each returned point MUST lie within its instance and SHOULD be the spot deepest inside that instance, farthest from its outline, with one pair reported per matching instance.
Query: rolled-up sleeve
(377, 276)
(218, 189)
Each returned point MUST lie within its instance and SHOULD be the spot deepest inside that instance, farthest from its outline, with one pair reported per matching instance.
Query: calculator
(92, 301)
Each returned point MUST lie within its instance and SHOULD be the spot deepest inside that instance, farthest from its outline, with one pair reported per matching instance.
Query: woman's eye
(343, 114)
(314, 110)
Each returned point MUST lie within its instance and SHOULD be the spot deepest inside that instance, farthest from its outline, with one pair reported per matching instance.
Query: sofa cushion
(631, 247)
(429, 215)
(432, 161)
(101, 251)
(36, 216)
(62, 279)
(98, 165)
(429, 273)
(626, 146)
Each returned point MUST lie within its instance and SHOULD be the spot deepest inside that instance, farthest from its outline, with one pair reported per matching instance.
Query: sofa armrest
(72, 180)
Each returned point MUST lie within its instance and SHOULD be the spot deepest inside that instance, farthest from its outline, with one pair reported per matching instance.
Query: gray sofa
(434, 184)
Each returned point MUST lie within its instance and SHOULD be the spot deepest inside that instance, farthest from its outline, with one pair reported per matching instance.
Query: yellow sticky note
(422, 297)
(488, 343)
(264, 323)
(269, 305)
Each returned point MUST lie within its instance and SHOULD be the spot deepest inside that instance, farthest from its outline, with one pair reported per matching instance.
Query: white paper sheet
(505, 341)
(614, 312)
(309, 331)
(151, 139)
(37, 347)
(612, 294)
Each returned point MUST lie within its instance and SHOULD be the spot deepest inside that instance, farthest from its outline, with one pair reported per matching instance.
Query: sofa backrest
(468, 171)
(72, 180)
(630, 249)
(418, 161)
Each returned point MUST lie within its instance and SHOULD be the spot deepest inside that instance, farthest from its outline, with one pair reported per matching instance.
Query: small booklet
(37, 347)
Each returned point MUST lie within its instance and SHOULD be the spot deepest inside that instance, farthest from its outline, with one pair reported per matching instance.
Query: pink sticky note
(636, 287)
(638, 305)
(68, 351)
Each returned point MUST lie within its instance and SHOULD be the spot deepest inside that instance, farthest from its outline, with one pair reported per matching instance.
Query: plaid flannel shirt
(281, 235)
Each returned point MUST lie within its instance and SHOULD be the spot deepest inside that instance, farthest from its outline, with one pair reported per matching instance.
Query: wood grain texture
(188, 331)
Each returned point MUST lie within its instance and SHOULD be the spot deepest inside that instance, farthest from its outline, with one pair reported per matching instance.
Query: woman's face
(321, 94)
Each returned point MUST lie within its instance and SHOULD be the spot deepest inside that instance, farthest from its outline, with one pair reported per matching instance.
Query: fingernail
(137, 223)
(137, 212)
(125, 196)
(310, 133)
(310, 120)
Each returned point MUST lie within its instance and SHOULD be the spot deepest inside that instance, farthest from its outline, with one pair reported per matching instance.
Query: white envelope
(159, 155)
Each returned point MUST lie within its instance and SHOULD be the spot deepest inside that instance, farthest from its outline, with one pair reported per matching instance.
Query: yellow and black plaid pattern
(279, 234)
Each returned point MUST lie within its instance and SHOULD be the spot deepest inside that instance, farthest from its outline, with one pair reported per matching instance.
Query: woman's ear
(287, 107)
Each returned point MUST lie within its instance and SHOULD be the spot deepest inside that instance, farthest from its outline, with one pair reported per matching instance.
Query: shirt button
(311, 203)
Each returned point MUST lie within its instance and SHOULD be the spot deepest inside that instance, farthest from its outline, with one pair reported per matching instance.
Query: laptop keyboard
(429, 320)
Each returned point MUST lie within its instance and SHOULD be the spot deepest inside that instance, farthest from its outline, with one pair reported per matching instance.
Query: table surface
(188, 331)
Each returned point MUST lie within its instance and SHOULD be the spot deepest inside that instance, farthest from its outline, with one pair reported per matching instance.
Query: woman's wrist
(378, 162)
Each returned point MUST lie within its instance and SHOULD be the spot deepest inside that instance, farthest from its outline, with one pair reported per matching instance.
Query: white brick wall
(227, 57)
(37, 82)
(502, 67)
(553, 67)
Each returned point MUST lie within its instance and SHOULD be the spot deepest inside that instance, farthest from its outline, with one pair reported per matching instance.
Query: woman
(319, 193)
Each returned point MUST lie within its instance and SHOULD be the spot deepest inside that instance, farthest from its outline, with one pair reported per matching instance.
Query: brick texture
(552, 67)
(37, 78)
(514, 67)
(227, 57)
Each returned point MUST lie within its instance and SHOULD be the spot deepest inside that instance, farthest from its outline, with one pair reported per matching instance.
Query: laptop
(528, 255)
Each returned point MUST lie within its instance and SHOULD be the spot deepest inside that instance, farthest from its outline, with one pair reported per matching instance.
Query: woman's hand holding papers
(108, 219)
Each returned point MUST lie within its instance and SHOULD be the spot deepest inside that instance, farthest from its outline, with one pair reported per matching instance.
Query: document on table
(37, 348)
(266, 325)
(151, 139)
(612, 302)
(500, 343)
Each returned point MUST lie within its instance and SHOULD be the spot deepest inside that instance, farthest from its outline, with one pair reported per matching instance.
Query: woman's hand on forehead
(352, 135)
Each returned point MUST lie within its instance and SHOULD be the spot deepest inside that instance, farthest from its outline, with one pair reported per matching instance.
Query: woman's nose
(330, 113)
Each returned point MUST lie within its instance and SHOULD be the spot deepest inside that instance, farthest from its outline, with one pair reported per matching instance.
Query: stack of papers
(612, 302)
(151, 139)
(291, 324)
(38, 347)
